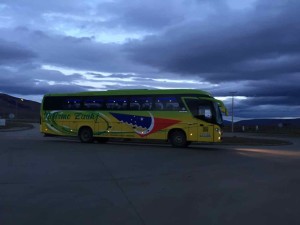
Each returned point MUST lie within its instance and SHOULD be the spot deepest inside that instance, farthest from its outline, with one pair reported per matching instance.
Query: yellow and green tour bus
(180, 116)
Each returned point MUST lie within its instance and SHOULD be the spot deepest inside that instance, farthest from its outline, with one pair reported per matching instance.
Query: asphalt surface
(58, 181)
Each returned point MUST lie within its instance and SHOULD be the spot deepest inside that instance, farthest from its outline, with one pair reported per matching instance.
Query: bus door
(116, 106)
(202, 121)
(101, 125)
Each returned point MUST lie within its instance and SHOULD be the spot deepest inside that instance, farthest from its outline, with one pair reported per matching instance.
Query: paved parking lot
(61, 181)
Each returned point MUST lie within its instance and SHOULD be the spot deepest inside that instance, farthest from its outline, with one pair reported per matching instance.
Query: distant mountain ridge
(270, 122)
(18, 108)
(267, 122)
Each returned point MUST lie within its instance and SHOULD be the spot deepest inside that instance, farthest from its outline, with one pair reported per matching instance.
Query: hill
(272, 126)
(17, 108)
(270, 122)
(266, 122)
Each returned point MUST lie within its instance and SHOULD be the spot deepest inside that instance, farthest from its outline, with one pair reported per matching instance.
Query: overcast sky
(221, 46)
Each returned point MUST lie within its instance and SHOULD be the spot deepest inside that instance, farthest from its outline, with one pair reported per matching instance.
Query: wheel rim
(178, 139)
(86, 135)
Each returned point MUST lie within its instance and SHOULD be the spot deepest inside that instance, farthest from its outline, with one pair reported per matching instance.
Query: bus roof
(135, 92)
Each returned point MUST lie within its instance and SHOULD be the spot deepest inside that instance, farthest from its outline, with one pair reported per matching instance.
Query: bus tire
(86, 135)
(178, 139)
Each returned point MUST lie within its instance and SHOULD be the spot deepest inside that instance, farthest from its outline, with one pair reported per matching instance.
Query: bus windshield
(219, 118)
(205, 110)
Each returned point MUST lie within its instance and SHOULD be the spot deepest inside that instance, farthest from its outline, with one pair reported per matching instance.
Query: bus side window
(53, 103)
(146, 106)
(172, 106)
(116, 103)
(93, 103)
(159, 106)
(72, 104)
(134, 106)
(140, 103)
(168, 103)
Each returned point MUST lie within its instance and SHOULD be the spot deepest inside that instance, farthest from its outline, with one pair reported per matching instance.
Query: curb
(13, 129)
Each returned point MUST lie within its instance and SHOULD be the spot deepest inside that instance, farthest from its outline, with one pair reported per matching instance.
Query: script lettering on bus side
(57, 116)
(86, 116)
(68, 116)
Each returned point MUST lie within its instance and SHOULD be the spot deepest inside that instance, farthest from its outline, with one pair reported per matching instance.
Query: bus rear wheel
(86, 135)
(178, 139)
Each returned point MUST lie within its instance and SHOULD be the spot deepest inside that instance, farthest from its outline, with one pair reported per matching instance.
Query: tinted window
(93, 103)
(116, 103)
(140, 103)
(62, 103)
(169, 103)
(72, 104)
(201, 109)
(53, 103)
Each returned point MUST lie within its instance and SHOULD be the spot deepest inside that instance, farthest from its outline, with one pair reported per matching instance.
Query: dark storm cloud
(31, 9)
(144, 15)
(79, 53)
(116, 75)
(11, 52)
(266, 98)
(280, 100)
(256, 54)
(266, 111)
(264, 107)
(41, 89)
(244, 47)
(273, 87)
(269, 98)
(156, 15)
(38, 82)
(254, 50)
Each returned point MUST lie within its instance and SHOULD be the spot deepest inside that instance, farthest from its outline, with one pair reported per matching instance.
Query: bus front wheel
(86, 135)
(178, 139)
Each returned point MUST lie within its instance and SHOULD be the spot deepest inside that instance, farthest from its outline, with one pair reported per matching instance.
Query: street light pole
(17, 106)
(232, 106)
(16, 116)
